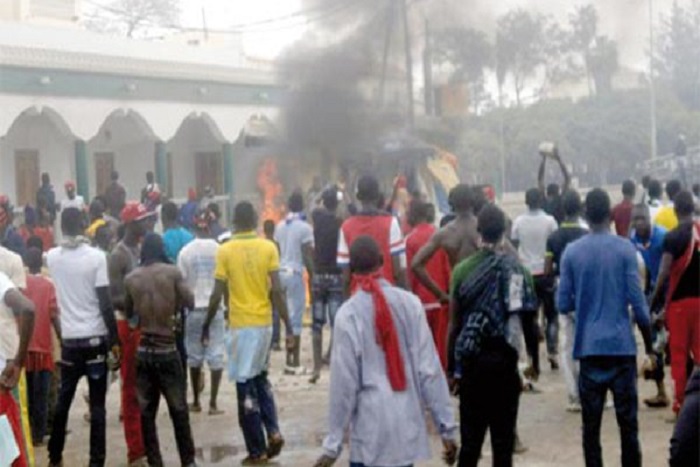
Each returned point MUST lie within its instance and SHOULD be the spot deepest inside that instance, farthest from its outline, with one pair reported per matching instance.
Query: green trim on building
(91, 85)
(82, 178)
(162, 166)
(228, 169)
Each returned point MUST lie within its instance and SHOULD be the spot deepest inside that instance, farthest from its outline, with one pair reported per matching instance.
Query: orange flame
(270, 191)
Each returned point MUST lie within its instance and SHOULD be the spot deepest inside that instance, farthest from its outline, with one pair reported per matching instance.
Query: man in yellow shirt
(247, 269)
(666, 217)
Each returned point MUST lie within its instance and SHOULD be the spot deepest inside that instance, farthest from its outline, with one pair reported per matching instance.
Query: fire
(270, 191)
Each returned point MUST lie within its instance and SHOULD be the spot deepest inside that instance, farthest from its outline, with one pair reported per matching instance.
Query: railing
(671, 166)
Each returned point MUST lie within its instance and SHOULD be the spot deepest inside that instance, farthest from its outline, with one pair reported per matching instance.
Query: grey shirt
(387, 427)
(291, 235)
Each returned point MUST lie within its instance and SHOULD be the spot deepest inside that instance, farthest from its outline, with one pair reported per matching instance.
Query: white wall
(56, 152)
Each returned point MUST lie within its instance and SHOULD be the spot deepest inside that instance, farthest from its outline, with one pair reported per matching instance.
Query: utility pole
(428, 71)
(652, 91)
(387, 45)
(204, 25)
(409, 63)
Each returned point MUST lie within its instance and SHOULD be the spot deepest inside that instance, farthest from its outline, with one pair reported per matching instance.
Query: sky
(270, 39)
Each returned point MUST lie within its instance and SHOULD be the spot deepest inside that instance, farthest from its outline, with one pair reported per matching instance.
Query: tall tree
(135, 18)
(603, 63)
(679, 52)
(584, 30)
(521, 45)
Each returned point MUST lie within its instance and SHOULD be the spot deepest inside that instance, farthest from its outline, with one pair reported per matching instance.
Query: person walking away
(680, 266)
(197, 262)
(88, 331)
(569, 231)
(269, 233)
(46, 198)
(552, 203)
(154, 293)
(9, 237)
(122, 261)
(247, 268)
(378, 224)
(622, 212)
(175, 237)
(295, 238)
(654, 192)
(489, 290)
(685, 444)
(648, 239)
(666, 217)
(529, 233)
(421, 216)
(40, 365)
(604, 341)
(16, 327)
(384, 373)
(327, 282)
(115, 196)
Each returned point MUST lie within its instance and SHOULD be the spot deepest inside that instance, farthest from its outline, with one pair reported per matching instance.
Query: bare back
(155, 293)
(459, 238)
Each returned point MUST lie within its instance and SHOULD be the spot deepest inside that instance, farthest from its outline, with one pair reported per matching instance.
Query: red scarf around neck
(385, 330)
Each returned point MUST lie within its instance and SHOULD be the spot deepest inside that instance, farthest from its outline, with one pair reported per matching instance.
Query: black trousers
(162, 374)
(489, 396)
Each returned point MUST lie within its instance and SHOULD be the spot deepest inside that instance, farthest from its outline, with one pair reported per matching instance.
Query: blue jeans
(293, 283)
(256, 409)
(82, 357)
(327, 297)
(597, 375)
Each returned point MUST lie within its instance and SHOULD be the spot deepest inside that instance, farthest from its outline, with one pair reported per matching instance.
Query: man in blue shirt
(599, 280)
(175, 237)
(648, 239)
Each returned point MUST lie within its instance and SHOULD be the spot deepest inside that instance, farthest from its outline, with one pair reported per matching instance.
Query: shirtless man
(124, 259)
(155, 292)
(459, 239)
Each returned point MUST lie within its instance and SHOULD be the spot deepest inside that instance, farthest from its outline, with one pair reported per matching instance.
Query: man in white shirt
(16, 326)
(529, 234)
(89, 331)
(197, 262)
(73, 199)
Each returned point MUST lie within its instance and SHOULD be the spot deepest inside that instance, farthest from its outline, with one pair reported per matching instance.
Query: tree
(679, 52)
(603, 63)
(135, 17)
(584, 30)
(469, 53)
(521, 45)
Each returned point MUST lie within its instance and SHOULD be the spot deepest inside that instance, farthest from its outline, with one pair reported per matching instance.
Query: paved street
(552, 434)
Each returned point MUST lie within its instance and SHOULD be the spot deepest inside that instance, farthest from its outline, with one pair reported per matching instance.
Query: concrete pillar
(162, 167)
(82, 179)
(228, 169)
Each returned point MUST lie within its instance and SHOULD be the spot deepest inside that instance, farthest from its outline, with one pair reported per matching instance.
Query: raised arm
(564, 171)
(418, 267)
(540, 174)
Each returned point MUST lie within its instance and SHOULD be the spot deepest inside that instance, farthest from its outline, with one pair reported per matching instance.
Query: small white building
(78, 105)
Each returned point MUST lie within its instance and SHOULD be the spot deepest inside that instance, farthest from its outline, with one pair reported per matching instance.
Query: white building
(78, 105)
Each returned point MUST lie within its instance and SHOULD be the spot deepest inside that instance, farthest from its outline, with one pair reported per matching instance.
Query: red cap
(69, 184)
(133, 212)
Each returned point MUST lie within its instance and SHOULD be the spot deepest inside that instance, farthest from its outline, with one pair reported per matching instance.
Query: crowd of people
(418, 313)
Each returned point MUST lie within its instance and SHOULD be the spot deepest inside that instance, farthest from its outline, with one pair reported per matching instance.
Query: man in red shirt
(40, 365)
(421, 217)
(622, 213)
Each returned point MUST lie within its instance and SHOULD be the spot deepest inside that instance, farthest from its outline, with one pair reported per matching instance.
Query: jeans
(293, 283)
(619, 375)
(130, 402)
(38, 384)
(256, 408)
(327, 298)
(489, 395)
(568, 364)
(163, 374)
(532, 343)
(81, 358)
(544, 287)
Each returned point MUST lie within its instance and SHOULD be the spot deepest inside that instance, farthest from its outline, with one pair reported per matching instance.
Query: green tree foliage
(678, 59)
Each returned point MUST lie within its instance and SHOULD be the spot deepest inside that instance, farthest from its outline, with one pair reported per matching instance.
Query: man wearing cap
(197, 262)
(73, 199)
(124, 259)
(9, 237)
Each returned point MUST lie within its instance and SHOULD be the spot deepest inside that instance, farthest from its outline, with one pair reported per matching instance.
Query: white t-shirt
(397, 245)
(77, 202)
(77, 272)
(9, 334)
(291, 236)
(197, 262)
(531, 230)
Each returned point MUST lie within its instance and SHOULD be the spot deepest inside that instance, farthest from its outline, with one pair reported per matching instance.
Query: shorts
(197, 354)
(248, 352)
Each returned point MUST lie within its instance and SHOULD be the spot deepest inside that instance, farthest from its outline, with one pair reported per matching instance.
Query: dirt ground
(552, 435)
